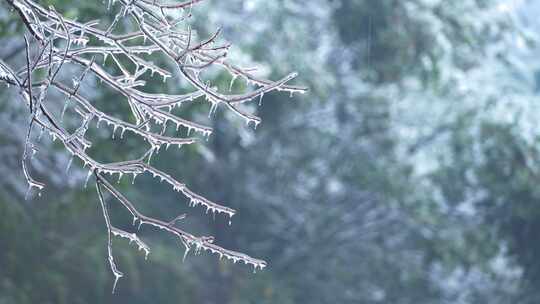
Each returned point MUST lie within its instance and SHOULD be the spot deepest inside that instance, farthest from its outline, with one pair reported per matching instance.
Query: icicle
(27, 195)
(87, 178)
(185, 254)
(120, 176)
(69, 163)
(114, 130)
(33, 153)
(261, 98)
(40, 133)
(64, 109)
(232, 82)
(213, 108)
(134, 176)
(135, 220)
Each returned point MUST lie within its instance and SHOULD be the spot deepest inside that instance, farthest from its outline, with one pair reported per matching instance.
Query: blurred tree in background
(407, 174)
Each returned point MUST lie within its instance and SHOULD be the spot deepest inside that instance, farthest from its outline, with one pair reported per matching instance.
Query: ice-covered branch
(120, 61)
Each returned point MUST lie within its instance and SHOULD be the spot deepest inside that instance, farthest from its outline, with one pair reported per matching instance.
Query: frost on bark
(161, 29)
